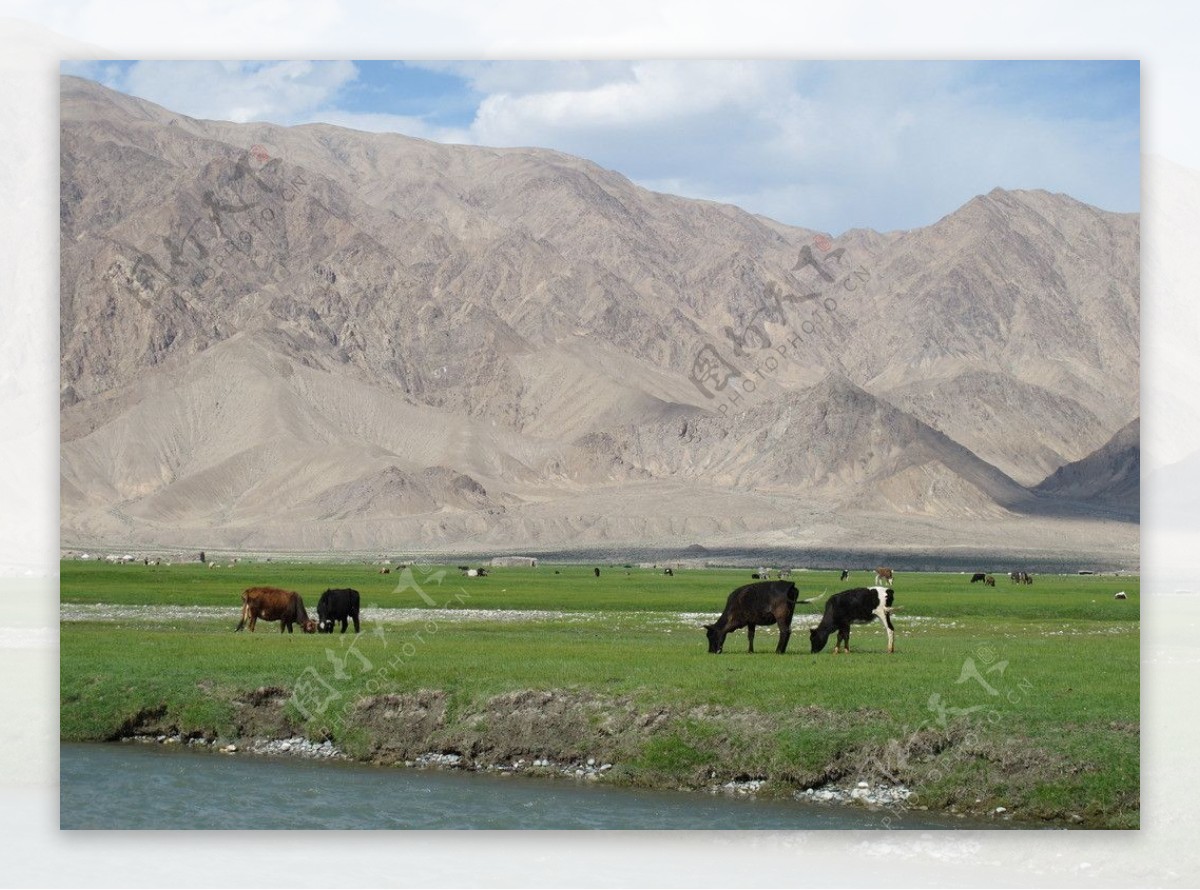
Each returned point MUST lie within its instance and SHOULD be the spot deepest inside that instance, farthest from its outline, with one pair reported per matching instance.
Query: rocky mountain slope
(1109, 476)
(315, 338)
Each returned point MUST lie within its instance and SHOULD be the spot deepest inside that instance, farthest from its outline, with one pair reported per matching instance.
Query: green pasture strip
(1045, 682)
(1038, 684)
(1045, 741)
(575, 588)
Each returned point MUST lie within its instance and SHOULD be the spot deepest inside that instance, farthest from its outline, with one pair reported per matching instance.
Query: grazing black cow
(756, 576)
(978, 576)
(669, 572)
(845, 574)
(597, 571)
(337, 605)
(856, 606)
(767, 602)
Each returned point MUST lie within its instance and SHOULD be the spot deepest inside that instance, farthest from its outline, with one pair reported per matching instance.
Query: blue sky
(827, 145)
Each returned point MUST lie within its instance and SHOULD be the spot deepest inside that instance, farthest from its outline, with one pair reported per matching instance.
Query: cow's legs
(750, 634)
(355, 616)
(785, 634)
(886, 618)
(843, 638)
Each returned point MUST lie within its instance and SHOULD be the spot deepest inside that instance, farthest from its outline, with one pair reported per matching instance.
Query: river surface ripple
(130, 786)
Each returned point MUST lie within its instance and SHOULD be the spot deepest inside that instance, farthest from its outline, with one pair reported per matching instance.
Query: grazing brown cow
(274, 604)
(883, 577)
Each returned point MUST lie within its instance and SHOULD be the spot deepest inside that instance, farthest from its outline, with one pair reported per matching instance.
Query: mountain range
(313, 338)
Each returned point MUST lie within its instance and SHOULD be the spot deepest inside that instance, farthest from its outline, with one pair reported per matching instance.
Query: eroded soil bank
(590, 737)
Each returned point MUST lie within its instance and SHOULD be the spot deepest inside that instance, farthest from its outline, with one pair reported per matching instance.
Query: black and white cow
(858, 605)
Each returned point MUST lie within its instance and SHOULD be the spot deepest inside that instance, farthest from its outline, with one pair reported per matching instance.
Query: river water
(147, 786)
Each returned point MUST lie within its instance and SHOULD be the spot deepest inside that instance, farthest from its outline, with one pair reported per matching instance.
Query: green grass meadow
(1018, 696)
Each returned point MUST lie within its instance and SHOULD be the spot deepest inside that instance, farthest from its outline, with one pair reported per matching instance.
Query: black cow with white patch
(859, 605)
(337, 605)
(767, 602)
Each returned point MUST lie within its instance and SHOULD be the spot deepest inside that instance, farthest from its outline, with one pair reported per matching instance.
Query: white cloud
(283, 92)
(520, 77)
(407, 125)
(657, 92)
(829, 147)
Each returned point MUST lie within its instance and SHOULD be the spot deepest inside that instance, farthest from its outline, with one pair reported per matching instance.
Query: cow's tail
(245, 613)
(814, 599)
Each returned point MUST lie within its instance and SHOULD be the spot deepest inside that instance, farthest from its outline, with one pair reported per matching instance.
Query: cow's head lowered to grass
(765, 603)
(856, 606)
(716, 638)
